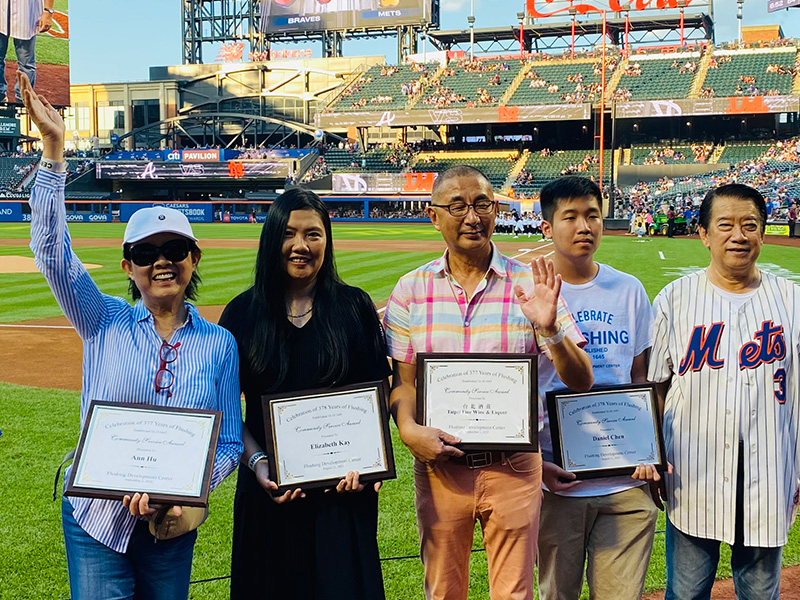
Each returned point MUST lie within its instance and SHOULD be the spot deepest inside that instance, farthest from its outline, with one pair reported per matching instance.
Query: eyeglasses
(144, 255)
(164, 377)
(459, 209)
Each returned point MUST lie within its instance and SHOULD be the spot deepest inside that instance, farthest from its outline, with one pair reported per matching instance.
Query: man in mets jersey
(725, 355)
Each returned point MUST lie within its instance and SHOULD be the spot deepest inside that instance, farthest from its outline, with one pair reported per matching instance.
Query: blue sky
(118, 40)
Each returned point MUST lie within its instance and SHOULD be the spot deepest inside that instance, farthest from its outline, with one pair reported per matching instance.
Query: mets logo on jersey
(767, 346)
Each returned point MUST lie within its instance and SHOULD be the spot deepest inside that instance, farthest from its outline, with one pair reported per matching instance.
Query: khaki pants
(612, 534)
(505, 499)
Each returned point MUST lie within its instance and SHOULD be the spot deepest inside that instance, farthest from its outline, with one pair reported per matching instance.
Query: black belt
(478, 460)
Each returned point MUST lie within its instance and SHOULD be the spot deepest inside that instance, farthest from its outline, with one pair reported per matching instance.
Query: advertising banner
(289, 16)
(24, 20)
(10, 212)
(398, 183)
(455, 116)
(196, 213)
(9, 127)
(212, 155)
(776, 5)
(172, 170)
(776, 229)
(736, 105)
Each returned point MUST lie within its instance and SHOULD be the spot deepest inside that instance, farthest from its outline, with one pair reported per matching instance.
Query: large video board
(43, 37)
(147, 171)
(289, 16)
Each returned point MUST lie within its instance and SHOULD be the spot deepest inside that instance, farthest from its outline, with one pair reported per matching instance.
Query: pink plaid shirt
(428, 311)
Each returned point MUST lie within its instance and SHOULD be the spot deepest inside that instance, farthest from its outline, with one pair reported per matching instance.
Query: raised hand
(541, 309)
(46, 118)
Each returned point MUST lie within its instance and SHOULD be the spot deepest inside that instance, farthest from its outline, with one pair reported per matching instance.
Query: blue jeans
(148, 570)
(692, 561)
(26, 62)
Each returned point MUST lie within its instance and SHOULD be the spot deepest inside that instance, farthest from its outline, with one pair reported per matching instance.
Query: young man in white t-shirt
(606, 524)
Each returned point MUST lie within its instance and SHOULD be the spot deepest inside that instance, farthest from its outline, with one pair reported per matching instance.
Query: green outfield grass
(247, 231)
(40, 425)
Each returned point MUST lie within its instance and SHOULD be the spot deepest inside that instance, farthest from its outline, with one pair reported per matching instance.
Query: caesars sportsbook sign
(289, 16)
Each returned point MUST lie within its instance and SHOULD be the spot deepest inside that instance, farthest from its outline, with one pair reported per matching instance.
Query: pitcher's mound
(25, 264)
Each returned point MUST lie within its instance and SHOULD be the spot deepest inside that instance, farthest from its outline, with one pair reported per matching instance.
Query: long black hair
(264, 342)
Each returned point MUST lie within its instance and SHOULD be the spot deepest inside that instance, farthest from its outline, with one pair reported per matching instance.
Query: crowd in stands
(317, 171)
(774, 174)
(346, 213)
(442, 96)
(378, 212)
(667, 154)
(480, 66)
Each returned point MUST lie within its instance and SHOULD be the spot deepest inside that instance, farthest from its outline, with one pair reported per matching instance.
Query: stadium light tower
(739, 4)
(471, 21)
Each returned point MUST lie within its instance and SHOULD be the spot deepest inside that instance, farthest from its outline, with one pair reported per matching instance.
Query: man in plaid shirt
(474, 299)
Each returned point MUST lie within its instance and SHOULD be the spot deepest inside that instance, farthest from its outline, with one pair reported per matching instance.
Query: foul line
(14, 325)
(529, 250)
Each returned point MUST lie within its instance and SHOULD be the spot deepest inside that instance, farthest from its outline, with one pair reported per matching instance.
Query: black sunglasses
(144, 255)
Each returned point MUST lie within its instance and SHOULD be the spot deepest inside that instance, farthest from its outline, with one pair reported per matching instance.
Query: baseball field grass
(39, 424)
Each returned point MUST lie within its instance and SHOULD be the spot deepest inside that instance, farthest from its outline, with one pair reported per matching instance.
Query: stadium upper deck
(696, 72)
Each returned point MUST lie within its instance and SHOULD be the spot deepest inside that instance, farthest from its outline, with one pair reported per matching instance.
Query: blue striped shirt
(24, 18)
(121, 355)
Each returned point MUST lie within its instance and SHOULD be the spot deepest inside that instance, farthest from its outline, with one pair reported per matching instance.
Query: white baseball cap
(158, 219)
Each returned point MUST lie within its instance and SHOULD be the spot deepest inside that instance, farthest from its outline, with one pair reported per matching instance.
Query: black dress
(324, 546)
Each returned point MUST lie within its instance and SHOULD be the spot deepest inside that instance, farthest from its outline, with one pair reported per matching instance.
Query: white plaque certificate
(487, 400)
(606, 431)
(128, 448)
(315, 439)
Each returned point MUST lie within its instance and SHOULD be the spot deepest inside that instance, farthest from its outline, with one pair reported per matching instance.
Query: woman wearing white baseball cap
(159, 351)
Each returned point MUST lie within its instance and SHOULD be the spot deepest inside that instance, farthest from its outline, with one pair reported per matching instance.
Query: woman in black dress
(300, 327)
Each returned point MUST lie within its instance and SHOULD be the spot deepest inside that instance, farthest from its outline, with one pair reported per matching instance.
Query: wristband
(555, 339)
(52, 166)
(254, 460)
(50, 10)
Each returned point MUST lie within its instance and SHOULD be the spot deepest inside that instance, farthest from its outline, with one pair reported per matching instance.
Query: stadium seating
(667, 154)
(377, 90)
(541, 169)
(458, 85)
(14, 170)
(732, 65)
(735, 153)
(375, 160)
(558, 75)
(660, 76)
(495, 165)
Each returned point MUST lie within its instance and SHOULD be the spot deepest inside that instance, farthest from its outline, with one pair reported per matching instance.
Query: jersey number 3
(779, 384)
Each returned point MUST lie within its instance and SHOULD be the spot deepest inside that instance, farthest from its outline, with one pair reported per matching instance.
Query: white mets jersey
(734, 374)
(23, 20)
